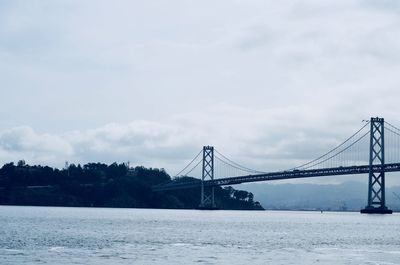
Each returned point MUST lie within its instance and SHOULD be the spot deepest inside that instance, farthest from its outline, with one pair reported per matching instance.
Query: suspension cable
(180, 172)
(398, 134)
(359, 139)
(334, 149)
(233, 163)
(228, 164)
(391, 125)
(190, 171)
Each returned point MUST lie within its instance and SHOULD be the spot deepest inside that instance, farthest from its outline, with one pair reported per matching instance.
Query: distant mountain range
(348, 196)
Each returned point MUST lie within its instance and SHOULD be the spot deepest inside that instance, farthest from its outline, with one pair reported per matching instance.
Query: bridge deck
(293, 174)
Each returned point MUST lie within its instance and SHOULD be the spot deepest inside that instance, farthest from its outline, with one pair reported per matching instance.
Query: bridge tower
(376, 179)
(207, 193)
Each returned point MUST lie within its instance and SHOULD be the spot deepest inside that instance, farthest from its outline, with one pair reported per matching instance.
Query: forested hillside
(101, 185)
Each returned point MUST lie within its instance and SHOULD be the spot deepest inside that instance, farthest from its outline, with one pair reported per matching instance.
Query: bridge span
(294, 174)
(351, 157)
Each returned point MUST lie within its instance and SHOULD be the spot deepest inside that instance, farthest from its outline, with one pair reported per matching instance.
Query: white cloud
(266, 138)
(263, 139)
(90, 64)
(24, 143)
(260, 80)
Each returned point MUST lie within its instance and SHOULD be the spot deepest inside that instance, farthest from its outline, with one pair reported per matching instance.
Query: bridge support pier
(376, 179)
(207, 201)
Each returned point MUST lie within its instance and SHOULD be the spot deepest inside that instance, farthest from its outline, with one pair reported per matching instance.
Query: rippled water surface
(50, 235)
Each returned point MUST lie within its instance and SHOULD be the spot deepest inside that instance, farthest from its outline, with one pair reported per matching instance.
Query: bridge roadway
(291, 174)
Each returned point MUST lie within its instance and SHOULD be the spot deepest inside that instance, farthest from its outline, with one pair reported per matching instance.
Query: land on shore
(101, 185)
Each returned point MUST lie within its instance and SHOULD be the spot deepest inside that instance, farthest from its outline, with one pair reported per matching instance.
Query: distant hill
(351, 196)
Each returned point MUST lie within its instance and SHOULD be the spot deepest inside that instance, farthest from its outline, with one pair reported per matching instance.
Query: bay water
(61, 235)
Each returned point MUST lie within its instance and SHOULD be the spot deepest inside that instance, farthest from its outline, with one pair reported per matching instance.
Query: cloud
(264, 139)
(270, 84)
(91, 64)
(141, 142)
(25, 143)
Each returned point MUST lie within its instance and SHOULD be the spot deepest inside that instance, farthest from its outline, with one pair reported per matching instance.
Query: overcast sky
(269, 83)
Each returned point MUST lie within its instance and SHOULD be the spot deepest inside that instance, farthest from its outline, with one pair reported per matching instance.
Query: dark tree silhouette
(101, 185)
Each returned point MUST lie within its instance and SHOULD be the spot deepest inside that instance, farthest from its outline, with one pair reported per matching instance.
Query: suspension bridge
(374, 149)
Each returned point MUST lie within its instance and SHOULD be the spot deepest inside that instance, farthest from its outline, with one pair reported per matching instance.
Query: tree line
(102, 185)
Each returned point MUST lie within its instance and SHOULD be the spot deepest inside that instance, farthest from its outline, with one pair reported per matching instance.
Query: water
(50, 235)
